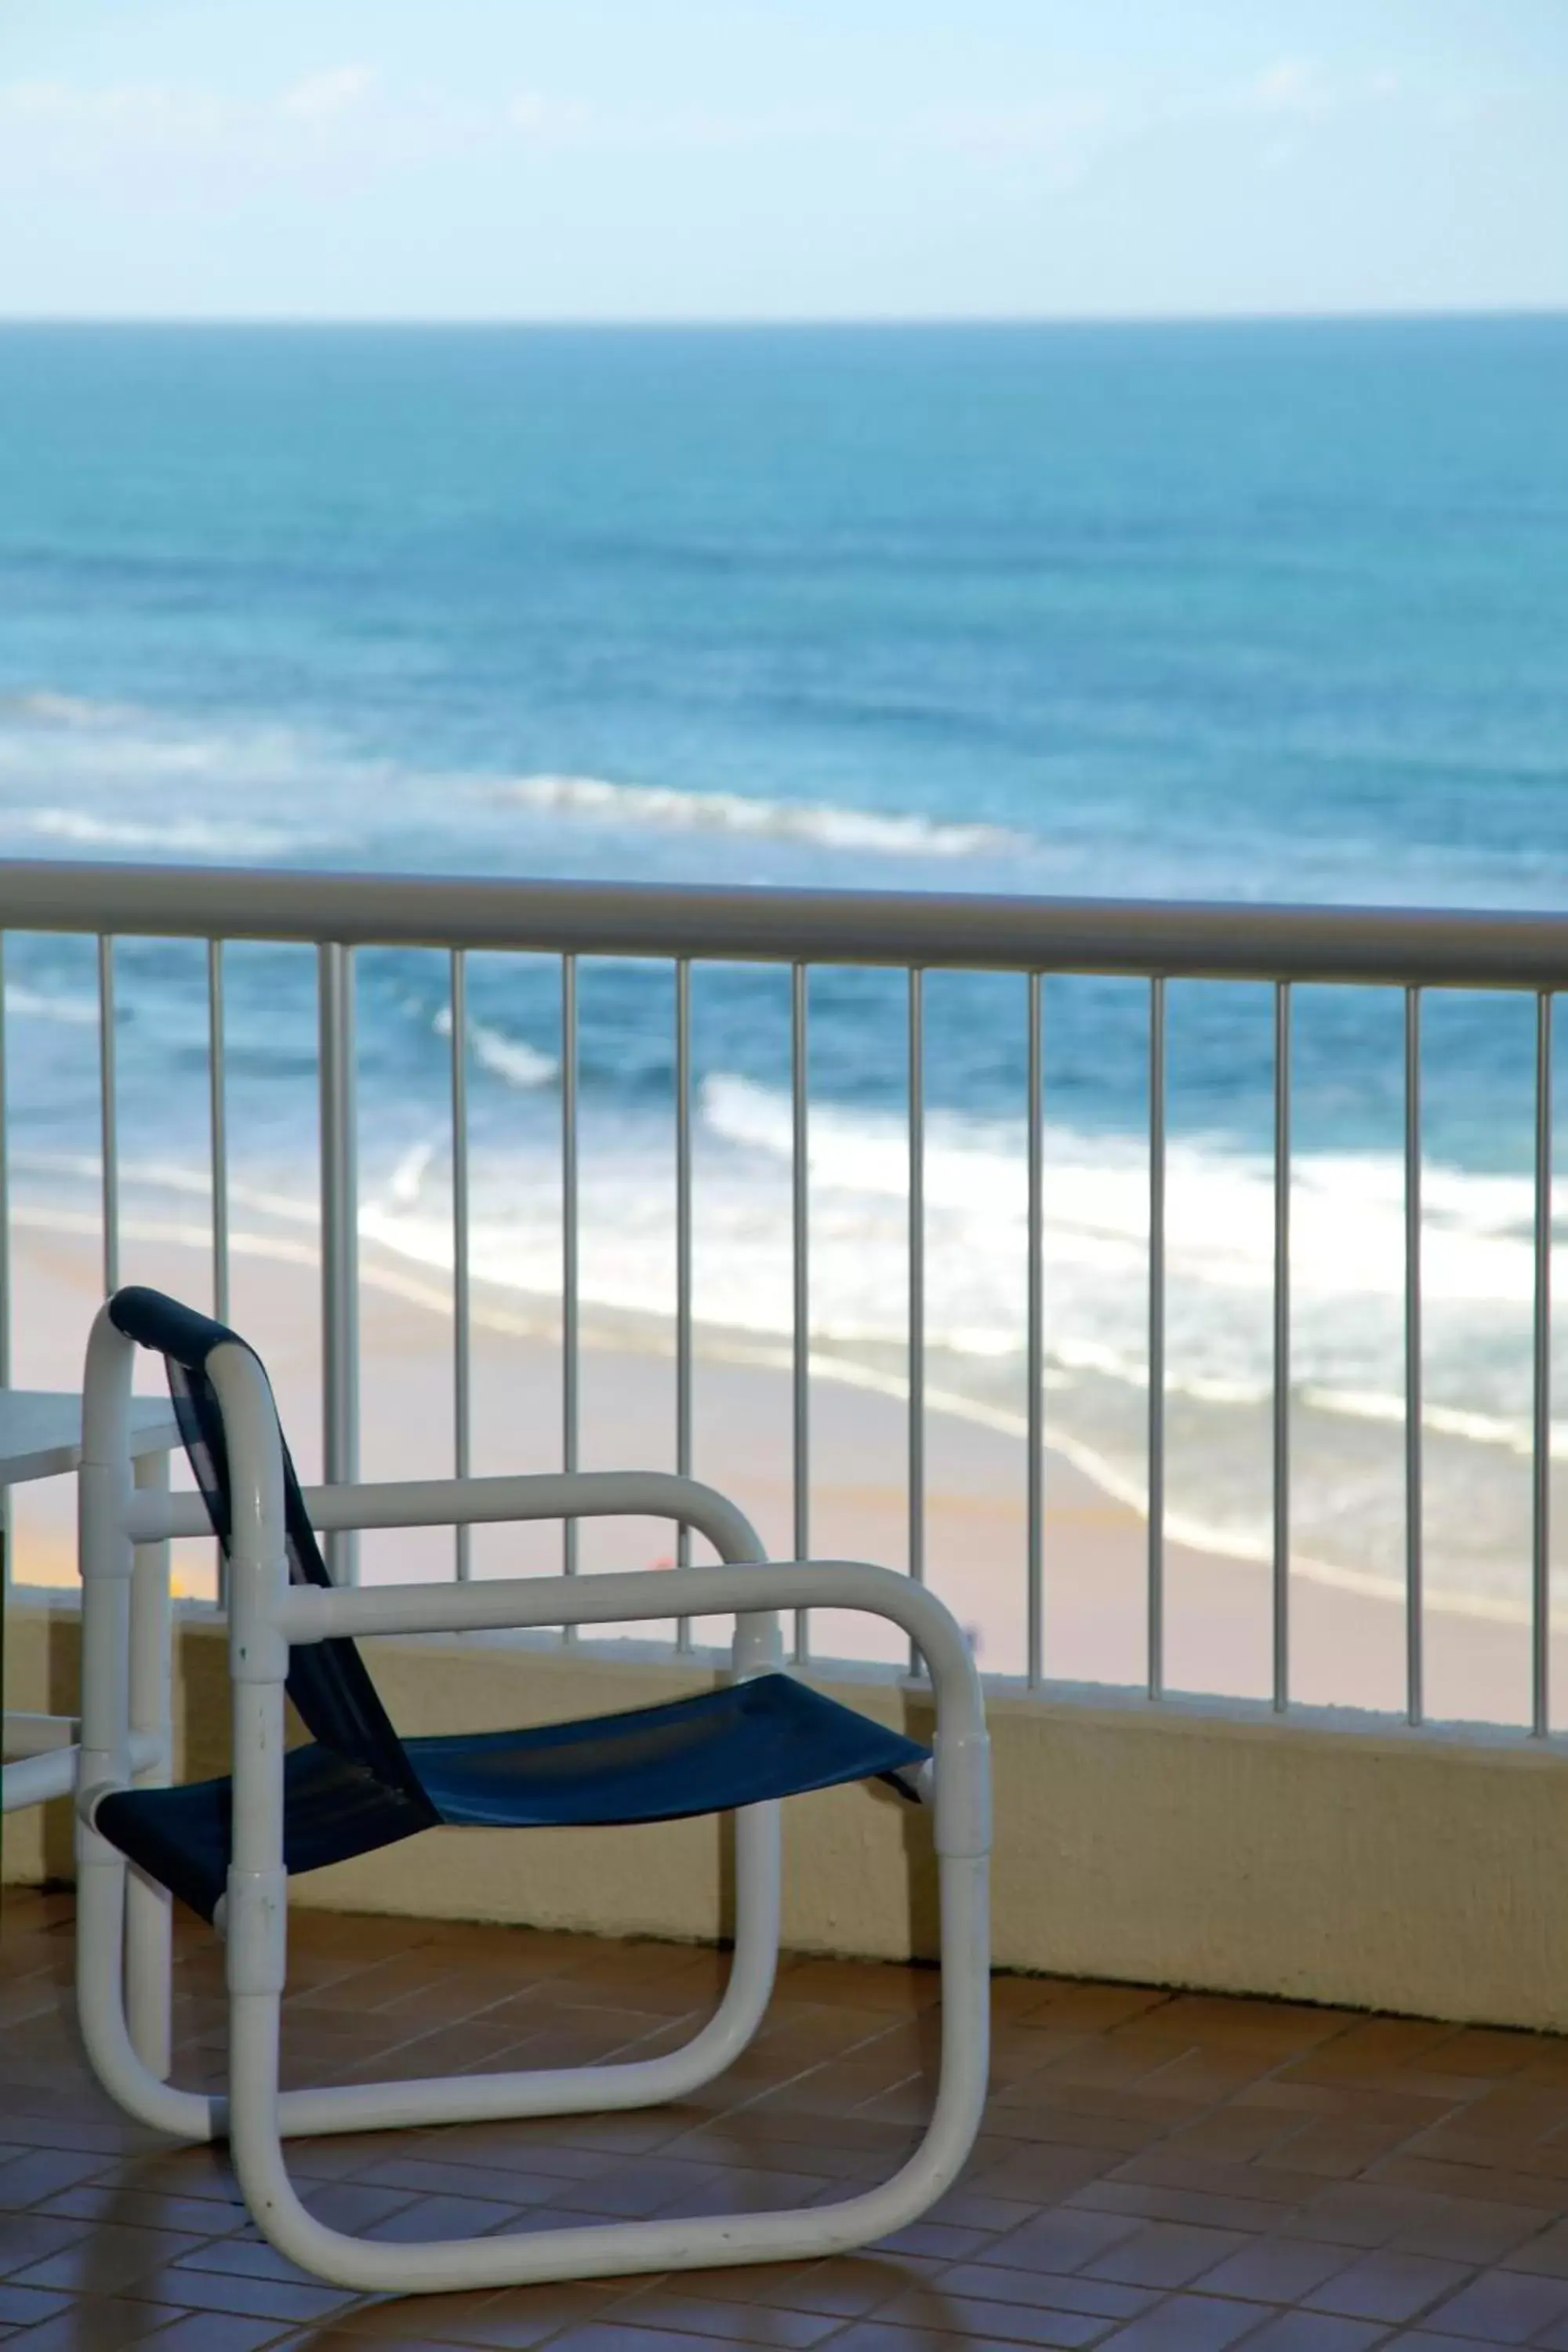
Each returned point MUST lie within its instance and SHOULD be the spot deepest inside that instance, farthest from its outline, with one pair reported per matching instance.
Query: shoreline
(1348, 1645)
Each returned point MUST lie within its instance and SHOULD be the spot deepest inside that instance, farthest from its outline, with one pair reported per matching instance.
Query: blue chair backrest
(328, 1681)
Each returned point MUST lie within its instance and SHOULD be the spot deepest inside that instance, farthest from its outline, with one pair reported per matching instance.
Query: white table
(40, 1432)
(41, 1437)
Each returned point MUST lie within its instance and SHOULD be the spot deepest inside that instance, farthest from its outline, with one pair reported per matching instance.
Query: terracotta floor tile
(845, 2287)
(1062, 2241)
(334, 2340)
(28, 2306)
(29, 2238)
(105, 2324)
(1278, 2269)
(1386, 2286)
(1364, 2213)
(1049, 2290)
(199, 2217)
(1471, 2230)
(604, 2336)
(1187, 2323)
(1114, 2195)
(1166, 2253)
(1505, 2304)
(964, 2319)
(106, 2257)
(1476, 2180)
(878, 2335)
(510, 2321)
(1311, 2331)
(670, 2307)
(1420, 2339)
(220, 2292)
(213, 2331)
(42, 2172)
(445, 2217)
(1155, 2171)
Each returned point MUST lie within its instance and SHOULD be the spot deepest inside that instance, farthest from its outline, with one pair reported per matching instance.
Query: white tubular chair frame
(49, 1763)
(267, 1614)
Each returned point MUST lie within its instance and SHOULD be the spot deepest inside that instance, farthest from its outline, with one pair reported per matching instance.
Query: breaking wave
(661, 806)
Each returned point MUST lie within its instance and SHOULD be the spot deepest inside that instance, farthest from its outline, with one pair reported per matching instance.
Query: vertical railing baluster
(917, 1249)
(1541, 1465)
(800, 1196)
(1035, 1371)
(1156, 1437)
(217, 1157)
(1281, 1345)
(683, 1265)
(218, 1126)
(570, 1331)
(462, 1296)
(1415, 1698)
(5, 1270)
(339, 1240)
(109, 1112)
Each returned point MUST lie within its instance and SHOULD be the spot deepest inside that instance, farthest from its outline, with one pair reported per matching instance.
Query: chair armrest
(474, 1502)
(499, 1604)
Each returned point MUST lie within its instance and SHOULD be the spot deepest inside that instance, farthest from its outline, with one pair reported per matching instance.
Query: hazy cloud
(322, 97)
(158, 108)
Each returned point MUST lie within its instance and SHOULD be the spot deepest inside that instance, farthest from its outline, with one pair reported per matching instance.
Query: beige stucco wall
(1324, 1859)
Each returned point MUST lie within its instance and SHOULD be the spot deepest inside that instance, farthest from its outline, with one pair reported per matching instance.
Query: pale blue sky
(767, 159)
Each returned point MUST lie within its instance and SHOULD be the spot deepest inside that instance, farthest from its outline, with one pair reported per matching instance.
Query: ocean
(1261, 611)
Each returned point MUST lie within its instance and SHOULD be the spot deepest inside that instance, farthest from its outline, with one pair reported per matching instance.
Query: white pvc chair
(267, 1615)
(43, 1758)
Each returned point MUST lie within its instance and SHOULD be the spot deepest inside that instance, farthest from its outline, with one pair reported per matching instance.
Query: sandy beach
(1347, 1647)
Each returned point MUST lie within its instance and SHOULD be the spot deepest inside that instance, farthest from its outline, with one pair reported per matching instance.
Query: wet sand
(1347, 1648)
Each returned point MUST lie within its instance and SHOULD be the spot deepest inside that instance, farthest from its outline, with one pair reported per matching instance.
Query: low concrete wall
(1324, 1858)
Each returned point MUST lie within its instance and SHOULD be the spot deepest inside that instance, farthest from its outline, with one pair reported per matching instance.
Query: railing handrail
(1372, 946)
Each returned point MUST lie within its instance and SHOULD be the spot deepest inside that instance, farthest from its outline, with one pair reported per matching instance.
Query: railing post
(1035, 1632)
(4, 1275)
(217, 1125)
(571, 1322)
(683, 1262)
(1156, 1435)
(800, 1253)
(1281, 1345)
(1541, 1451)
(340, 1244)
(916, 1288)
(1415, 1617)
(462, 1296)
(109, 1120)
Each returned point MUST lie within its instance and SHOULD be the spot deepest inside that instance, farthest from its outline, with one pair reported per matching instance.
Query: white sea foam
(46, 709)
(1347, 1264)
(74, 749)
(194, 836)
(33, 1004)
(663, 807)
(512, 1058)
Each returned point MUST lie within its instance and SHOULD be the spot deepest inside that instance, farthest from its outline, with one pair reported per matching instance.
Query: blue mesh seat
(358, 1785)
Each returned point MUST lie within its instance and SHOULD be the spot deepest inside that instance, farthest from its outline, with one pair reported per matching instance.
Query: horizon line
(803, 322)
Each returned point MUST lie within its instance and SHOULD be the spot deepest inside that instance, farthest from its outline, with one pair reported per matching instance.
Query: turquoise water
(1271, 612)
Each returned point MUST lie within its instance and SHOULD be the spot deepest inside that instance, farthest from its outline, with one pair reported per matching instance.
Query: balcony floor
(1160, 2173)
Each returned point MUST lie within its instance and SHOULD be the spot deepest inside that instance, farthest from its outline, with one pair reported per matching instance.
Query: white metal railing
(797, 931)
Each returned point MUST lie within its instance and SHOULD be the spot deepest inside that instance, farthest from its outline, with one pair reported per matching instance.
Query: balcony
(1158, 2171)
(1246, 1797)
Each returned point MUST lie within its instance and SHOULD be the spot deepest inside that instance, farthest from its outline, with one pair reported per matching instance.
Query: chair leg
(622, 2248)
(148, 1907)
(100, 1926)
(590, 2090)
(255, 2116)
